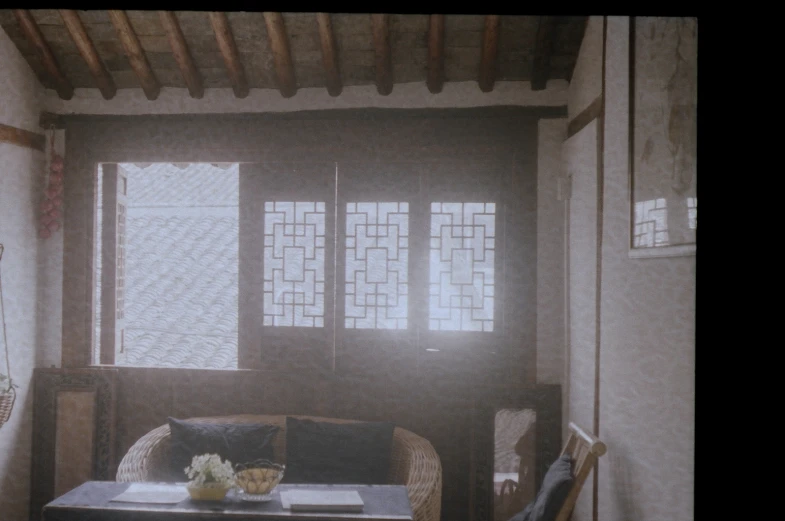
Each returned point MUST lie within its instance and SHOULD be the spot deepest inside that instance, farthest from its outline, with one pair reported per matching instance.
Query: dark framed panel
(539, 435)
(74, 419)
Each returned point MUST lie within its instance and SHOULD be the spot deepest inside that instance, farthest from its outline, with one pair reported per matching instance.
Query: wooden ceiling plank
(228, 48)
(135, 53)
(489, 53)
(86, 48)
(33, 34)
(282, 56)
(380, 27)
(436, 53)
(543, 47)
(191, 75)
(332, 72)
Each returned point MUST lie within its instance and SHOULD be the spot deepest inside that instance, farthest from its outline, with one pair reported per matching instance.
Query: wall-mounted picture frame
(663, 136)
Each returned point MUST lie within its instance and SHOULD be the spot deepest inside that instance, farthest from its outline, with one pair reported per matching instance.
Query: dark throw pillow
(238, 442)
(323, 452)
(555, 488)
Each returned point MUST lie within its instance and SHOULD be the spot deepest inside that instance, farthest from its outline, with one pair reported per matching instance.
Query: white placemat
(161, 493)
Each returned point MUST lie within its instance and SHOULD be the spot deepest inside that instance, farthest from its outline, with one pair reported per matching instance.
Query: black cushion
(239, 443)
(555, 488)
(323, 452)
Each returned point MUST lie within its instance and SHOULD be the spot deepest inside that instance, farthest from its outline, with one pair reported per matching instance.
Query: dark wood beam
(282, 56)
(228, 48)
(490, 50)
(578, 32)
(543, 47)
(332, 73)
(50, 120)
(436, 53)
(86, 48)
(380, 25)
(586, 116)
(22, 137)
(191, 75)
(135, 53)
(33, 34)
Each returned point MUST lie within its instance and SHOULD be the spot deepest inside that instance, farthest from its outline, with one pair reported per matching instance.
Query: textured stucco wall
(647, 372)
(646, 321)
(31, 276)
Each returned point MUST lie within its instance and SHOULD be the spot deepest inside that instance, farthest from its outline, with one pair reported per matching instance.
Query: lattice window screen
(294, 263)
(377, 264)
(462, 255)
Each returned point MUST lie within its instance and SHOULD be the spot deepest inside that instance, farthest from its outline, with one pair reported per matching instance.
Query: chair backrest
(584, 449)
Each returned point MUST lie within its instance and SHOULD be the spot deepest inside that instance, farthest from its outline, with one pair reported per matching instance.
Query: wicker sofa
(413, 460)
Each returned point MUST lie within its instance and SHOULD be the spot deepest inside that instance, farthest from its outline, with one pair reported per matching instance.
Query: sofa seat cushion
(324, 452)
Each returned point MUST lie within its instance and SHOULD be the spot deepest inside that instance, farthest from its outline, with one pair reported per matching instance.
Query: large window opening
(227, 266)
(176, 264)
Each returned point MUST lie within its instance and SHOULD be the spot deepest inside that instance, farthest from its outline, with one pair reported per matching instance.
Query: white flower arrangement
(209, 470)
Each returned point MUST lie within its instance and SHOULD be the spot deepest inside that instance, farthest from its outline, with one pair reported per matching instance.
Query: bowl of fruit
(257, 479)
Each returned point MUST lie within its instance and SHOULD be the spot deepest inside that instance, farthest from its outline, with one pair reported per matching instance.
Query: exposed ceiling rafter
(282, 56)
(191, 75)
(33, 35)
(135, 53)
(489, 53)
(228, 48)
(543, 47)
(380, 27)
(435, 79)
(86, 48)
(332, 72)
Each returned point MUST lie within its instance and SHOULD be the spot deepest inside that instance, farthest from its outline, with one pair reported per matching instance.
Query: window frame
(508, 134)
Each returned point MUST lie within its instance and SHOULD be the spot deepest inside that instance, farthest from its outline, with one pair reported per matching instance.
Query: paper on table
(153, 493)
(322, 500)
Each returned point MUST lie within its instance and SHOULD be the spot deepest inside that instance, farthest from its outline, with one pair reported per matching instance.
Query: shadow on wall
(18, 434)
(626, 490)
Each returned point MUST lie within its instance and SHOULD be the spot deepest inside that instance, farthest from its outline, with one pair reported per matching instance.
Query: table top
(91, 501)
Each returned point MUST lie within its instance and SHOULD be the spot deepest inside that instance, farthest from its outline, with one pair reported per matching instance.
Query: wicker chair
(413, 460)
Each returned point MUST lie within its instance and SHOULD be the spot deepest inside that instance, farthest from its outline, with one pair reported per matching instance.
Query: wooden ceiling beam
(490, 51)
(332, 72)
(543, 48)
(282, 56)
(436, 53)
(380, 26)
(135, 53)
(228, 48)
(86, 48)
(33, 34)
(182, 55)
(22, 137)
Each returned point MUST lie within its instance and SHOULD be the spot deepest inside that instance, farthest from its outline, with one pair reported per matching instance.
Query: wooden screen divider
(74, 422)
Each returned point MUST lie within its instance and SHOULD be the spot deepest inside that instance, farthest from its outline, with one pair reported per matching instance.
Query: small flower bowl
(216, 492)
(257, 479)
